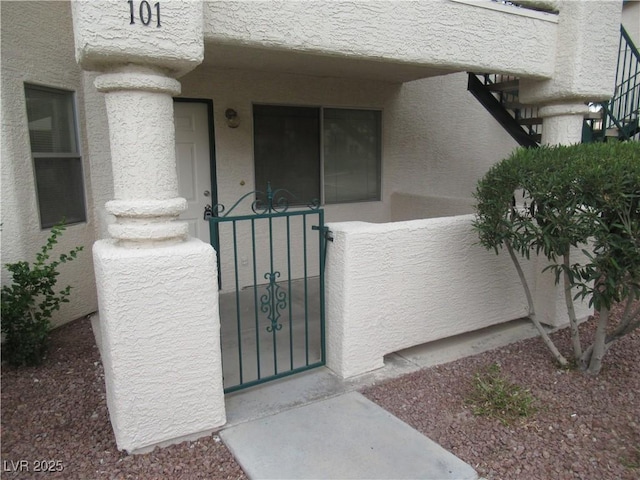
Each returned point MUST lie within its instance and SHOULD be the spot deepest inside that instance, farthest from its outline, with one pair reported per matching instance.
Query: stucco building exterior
(157, 109)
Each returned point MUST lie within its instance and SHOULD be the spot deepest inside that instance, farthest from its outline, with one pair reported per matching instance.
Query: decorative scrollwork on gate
(273, 301)
(267, 202)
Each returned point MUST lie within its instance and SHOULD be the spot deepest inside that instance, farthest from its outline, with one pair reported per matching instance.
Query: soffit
(305, 63)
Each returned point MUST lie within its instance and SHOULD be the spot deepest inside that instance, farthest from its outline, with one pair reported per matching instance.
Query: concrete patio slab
(344, 437)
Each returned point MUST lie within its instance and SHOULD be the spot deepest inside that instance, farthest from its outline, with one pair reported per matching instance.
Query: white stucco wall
(397, 285)
(40, 52)
(587, 36)
(439, 34)
(176, 45)
(631, 20)
(98, 154)
(437, 139)
(446, 142)
(160, 342)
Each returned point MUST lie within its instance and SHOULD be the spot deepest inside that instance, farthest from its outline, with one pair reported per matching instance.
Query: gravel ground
(584, 428)
(58, 413)
(587, 428)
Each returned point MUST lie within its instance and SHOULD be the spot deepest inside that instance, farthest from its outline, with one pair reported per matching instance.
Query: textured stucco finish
(585, 60)
(142, 155)
(396, 285)
(40, 53)
(104, 35)
(433, 34)
(160, 341)
(562, 129)
(142, 151)
(631, 20)
(159, 326)
(588, 76)
(98, 153)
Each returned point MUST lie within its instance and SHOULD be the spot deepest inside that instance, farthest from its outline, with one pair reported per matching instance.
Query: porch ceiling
(304, 63)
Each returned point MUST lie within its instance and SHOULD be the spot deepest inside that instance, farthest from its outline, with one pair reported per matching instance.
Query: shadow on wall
(405, 206)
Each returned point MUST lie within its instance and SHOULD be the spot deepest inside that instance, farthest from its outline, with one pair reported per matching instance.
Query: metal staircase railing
(621, 113)
(499, 95)
(618, 118)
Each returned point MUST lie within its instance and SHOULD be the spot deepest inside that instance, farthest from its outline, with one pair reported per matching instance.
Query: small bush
(494, 396)
(29, 302)
(583, 197)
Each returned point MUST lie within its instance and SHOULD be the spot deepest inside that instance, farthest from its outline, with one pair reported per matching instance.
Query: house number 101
(145, 12)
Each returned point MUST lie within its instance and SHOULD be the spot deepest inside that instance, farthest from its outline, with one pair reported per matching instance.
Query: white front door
(194, 164)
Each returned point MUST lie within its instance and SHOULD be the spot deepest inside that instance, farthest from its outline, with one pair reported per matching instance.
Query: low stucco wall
(396, 285)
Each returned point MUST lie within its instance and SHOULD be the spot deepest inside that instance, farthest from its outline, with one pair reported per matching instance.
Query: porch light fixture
(232, 118)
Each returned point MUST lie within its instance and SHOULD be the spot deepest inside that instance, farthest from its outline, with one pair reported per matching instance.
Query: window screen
(287, 150)
(352, 155)
(56, 158)
(288, 142)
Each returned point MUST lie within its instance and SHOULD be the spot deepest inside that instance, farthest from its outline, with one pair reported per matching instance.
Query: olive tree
(582, 197)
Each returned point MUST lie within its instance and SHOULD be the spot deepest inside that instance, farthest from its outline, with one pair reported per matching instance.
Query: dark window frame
(321, 161)
(60, 189)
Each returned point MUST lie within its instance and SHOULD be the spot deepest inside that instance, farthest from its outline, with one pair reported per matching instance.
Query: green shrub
(29, 302)
(585, 196)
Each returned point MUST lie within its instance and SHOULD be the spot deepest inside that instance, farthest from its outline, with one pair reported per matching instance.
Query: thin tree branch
(599, 346)
(568, 298)
(626, 326)
(532, 314)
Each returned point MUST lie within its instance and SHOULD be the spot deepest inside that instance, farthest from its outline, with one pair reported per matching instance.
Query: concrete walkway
(344, 437)
(316, 425)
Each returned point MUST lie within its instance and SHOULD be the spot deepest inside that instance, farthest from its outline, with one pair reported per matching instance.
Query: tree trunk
(599, 344)
(568, 298)
(532, 314)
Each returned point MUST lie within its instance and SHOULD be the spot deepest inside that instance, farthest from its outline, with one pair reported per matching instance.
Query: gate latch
(208, 212)
(324, 231)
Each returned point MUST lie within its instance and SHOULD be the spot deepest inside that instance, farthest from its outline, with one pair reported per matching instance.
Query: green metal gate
(271, 256)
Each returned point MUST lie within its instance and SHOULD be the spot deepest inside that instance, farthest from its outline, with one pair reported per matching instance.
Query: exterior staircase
(617, 119)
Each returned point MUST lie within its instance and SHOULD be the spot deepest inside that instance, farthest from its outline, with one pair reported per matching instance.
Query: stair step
(594, 115)
(530, 121)
(514, 105)
(508, 86)
(612, 132)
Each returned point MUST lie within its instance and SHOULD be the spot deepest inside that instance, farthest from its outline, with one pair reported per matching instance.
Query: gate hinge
(328, 234)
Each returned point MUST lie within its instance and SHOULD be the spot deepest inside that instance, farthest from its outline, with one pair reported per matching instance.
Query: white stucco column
(562, 124)
(584, 71)
(142, 137)
(159, 327)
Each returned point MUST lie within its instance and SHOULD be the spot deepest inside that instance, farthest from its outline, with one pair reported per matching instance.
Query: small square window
(56, 158)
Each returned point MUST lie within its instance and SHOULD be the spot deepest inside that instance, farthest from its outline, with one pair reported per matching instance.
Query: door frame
(212, 142)
(212, 157)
